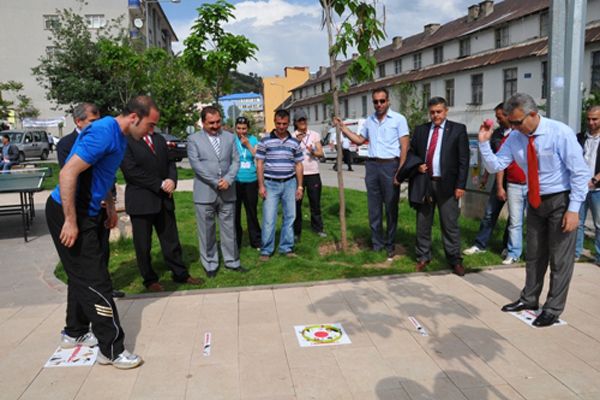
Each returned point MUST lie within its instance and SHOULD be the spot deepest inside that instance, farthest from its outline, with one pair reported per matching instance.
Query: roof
(239, 96)
(534, 48)
(503, 12)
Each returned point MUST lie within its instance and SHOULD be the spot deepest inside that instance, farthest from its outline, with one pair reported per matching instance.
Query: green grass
(309, 265)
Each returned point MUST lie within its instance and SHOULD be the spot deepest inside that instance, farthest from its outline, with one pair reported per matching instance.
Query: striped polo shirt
(279, 156)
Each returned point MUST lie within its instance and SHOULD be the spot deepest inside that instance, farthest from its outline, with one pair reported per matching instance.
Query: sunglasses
(241, 120)
(381, 101)
(518, 122)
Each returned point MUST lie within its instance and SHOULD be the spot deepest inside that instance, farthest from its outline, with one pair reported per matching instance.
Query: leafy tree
(24, 107)
(213, 54)
(6, 105)
(412, 106)
(357, 27)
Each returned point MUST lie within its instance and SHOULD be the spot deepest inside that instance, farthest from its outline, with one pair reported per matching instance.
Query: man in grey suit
(215, 160)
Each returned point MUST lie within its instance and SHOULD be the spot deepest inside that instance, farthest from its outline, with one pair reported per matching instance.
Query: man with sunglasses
(557, 176)
(387, 133)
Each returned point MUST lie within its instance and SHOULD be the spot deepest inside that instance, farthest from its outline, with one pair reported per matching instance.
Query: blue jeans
(5, 165)
(592, 202)
(490, 217)
(517, 201)
(284, 193)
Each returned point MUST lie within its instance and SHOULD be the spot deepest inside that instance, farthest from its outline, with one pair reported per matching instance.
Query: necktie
(148, 141)
(533, 178)
(214, 140)
(431, 150)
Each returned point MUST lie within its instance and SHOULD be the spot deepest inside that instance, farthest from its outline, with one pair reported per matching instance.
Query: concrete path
(473, 350)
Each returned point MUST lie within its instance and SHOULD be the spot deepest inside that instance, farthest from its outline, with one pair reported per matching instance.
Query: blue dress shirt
(560, 160)
(384, 137)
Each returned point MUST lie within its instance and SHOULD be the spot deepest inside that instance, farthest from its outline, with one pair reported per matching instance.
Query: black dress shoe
(239, 269)
(518, 306)
(211, 274)
(545, 319)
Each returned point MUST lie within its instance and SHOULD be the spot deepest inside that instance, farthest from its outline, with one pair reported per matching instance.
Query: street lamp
(146, 16)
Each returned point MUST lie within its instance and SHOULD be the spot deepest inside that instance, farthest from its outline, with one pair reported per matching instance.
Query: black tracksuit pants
(247, 194)
(89, 286)
(313, 187)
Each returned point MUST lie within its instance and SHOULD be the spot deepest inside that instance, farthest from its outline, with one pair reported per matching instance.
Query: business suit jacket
(64, 146)
(581, 138)
(144, 172)
(419, 187)
(454, 156)
(13, 153)
(210, 167)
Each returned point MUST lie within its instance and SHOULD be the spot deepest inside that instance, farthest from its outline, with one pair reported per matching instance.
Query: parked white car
(329, 141)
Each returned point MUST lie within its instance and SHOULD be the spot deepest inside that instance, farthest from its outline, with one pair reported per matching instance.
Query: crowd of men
(536, 161)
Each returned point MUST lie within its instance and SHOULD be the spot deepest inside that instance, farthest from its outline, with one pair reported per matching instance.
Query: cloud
(271, 12)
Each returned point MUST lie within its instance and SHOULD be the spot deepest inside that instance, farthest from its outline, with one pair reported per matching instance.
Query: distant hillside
(243, 83)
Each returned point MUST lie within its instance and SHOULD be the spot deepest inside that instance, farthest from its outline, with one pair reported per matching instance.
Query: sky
(288, 32)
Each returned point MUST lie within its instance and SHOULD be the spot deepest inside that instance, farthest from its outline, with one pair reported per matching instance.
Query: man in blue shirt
(73, 214)
(387, 133)
(557, 176)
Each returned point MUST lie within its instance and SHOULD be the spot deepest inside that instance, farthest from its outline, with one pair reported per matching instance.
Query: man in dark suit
(151, 180)
(444, 145)
(83, 115)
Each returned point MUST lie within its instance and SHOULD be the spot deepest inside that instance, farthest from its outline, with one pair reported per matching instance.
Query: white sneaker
(473, 250)
(125, 360)
(509, 260)
(68, 342)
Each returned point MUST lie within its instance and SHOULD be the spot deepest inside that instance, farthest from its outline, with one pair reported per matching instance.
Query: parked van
(358, 152)
(31, 144)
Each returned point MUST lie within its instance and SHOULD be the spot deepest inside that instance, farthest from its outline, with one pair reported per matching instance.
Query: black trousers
(313, 187)
(89, 298)
(449, 212)
(346, 158)
(247, 194)
(381, 191)
(166, 229)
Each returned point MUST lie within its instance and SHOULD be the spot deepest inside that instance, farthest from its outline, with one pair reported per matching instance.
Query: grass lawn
(311, 264)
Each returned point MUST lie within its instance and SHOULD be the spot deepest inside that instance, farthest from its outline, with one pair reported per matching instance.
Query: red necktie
(431, 150)
(149, 143)
(533, 178)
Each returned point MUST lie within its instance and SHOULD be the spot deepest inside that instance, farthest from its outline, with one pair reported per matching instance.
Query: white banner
(43, 123)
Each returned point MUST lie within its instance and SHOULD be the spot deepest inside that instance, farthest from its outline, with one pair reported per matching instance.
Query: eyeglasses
(241, 120)
(380, 101)
(518, 122)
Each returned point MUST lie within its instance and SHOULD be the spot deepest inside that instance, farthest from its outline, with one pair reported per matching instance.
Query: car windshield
(15, 137)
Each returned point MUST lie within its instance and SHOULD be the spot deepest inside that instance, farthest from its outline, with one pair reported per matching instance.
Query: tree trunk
(338, 134)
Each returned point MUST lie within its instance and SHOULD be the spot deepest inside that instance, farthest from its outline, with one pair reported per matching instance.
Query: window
(322, 87)
(450, 92)
(324, 111)
(510, 82)
(364, 106)
(544, 23)
(426, 94)
(300, 93)
(438, 54)
(465, 47)
(50, 21)
(596, 70)
(502, 39)
(544, 79)
(316, 112)
(95, 21)
(398, 66)
(382, 70)
(315, 89)
(346, 108)
(477, 89)
(28, 138)
(417, 61)
(50, 51)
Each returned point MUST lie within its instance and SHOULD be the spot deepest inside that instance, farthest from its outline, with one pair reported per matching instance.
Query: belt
(547, 196)
(518, 183)
(383, 160)
(436, 178)
(280, 179)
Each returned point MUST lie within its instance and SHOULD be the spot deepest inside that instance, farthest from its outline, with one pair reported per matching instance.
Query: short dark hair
(212, 110)
(381, 90)
(434, 101)
(81, 109)
(282, 114)
(140, 105)
(5, 136)
(499, 107)
(242, 121)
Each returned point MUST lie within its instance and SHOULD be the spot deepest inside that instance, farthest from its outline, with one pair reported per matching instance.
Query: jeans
(517, 201)
(284, 193)
(592, 202)
(490, 217)
(6, 165)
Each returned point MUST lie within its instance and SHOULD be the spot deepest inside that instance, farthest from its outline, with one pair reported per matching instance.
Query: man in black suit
(444, 145)
(151, 180)
(83, 115)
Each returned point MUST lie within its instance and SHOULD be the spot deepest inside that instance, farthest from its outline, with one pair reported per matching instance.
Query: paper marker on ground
(422, 331)
(528, 316)
(207, 344)
(79, 356)
(321, 335)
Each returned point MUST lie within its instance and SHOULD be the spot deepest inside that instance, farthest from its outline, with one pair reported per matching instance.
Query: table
(25, 182)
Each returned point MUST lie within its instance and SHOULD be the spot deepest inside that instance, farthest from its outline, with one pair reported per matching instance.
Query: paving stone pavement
(473, 350)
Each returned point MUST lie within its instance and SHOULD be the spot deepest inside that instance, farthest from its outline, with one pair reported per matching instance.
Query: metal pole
(566, 54)
(146, 10)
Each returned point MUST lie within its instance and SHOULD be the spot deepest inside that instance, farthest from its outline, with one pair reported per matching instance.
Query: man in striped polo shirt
(279, 171)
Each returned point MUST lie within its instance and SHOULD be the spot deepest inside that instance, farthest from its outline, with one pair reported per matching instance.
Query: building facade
(234, 105)
(25, 32)
(475, 62)
(277, 89)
